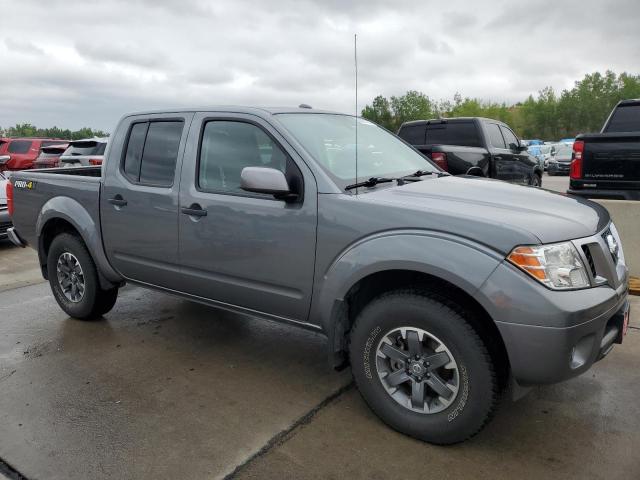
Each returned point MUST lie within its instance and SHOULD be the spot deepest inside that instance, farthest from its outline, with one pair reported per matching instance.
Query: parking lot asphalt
(557, 183)
(18, 266)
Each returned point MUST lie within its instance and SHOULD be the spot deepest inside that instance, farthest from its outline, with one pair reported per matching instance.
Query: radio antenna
(355, 58)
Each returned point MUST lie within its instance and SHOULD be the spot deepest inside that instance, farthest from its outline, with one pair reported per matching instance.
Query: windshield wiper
(421, 173)
(372, 182)
(414, 177)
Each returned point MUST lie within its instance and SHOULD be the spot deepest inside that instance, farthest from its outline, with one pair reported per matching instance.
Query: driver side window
(227, 147)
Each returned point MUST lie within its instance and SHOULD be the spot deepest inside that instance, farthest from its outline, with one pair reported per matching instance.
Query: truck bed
(54, 186)
(611, 166)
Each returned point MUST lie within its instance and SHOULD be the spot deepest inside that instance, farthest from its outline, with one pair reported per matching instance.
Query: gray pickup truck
(441, 292)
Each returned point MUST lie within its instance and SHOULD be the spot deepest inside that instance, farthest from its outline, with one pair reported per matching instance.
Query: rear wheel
(422, 368)
(74, 279)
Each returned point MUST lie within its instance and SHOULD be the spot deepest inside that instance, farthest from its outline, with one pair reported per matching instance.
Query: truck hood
(498, 214)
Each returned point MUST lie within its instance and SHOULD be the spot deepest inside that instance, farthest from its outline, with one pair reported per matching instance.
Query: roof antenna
(355, 58)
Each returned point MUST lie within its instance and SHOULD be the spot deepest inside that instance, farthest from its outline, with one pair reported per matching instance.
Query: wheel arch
(64, 214)
(454, 266)
(373, 285)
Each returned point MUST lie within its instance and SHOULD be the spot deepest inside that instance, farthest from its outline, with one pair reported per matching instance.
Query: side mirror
(519, 148)
(265, 180)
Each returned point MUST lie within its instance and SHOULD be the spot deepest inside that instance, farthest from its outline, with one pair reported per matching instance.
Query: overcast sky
(86, 63)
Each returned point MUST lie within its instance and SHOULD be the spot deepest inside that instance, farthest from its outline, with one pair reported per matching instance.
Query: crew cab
(474, 146)
(440, 291)
(607, 164)
(20, 153)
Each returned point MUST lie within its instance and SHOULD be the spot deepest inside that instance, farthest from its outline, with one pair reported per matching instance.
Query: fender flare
(70, 210)
(459, 261)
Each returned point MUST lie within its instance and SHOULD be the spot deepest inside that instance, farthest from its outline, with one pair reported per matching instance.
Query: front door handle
(194, 210)
(497, 157)
(118, 201)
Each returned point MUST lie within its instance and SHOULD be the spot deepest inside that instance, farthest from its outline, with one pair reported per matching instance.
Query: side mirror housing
(520, 148)
(265, 180)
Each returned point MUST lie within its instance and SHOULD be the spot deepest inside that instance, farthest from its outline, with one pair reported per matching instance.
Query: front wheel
(422, 368)
(536, 180)
(73, 278)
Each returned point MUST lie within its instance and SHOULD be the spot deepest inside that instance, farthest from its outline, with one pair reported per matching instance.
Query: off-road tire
(95, 301)
(478, 390)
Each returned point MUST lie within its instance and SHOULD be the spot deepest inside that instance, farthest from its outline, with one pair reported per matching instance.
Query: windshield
(85, 148)
(564, 150)
(330, 140)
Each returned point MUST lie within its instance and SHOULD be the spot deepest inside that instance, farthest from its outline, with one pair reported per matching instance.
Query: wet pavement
(164, 388)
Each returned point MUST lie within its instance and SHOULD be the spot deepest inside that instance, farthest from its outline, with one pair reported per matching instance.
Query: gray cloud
(105, 58)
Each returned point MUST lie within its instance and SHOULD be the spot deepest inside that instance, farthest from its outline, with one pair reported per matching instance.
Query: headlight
(558, 266)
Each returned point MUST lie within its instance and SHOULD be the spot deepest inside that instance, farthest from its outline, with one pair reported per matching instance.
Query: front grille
(587, 253)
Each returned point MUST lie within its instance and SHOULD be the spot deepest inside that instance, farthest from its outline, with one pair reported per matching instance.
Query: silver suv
(88, 151)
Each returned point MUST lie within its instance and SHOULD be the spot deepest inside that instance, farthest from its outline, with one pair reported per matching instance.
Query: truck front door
(239, 248)
(139, 199)
(503, 159)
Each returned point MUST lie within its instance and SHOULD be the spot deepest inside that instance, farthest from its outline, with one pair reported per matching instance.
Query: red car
(50, 156)
(20, 153)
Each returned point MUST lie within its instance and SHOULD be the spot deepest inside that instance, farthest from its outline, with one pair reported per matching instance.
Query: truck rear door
(139, 198)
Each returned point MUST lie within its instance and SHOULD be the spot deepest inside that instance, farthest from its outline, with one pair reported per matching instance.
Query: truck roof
(260, 111)
(630, 101)
(451, 119)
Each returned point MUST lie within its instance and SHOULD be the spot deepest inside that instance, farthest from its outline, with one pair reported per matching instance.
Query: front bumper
(552, 335)
(558, 168)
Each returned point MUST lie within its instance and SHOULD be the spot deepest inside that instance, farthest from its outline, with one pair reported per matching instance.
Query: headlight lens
(558, 266)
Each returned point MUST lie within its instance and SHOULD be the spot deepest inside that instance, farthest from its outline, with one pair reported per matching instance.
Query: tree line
(548, 116)
(28, 130)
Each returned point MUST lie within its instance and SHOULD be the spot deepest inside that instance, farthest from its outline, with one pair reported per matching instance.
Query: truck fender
(73, 212)
(457, 260)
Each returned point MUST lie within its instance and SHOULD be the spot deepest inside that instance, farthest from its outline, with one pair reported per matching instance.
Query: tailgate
(610, 157)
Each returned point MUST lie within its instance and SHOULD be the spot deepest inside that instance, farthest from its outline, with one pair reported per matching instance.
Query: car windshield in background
(19, 146)
(330, 140)
(564, 151)
(85, 148)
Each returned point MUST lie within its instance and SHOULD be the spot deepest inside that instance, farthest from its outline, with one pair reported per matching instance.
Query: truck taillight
(440, 159)
(95, 161)
(576, 163)
(10, 197)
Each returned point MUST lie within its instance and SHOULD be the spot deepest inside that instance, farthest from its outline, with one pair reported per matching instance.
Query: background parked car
(5, 220)
(560, 162)
(50, 156)
(20, 153)
(474, 146)
(88, 151)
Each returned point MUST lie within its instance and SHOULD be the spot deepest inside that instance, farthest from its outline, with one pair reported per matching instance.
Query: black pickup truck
(474, 146)
(607, 164)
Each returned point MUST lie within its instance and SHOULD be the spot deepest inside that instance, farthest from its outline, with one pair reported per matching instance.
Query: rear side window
(19, 146)
(495, 137)
(413, 134)
(510, 138)
(152, 152)
(464, 134)
(625, 118)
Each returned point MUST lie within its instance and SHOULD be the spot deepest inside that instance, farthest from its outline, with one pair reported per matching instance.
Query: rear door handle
(194, 210)
(118, 201)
